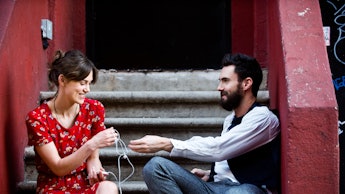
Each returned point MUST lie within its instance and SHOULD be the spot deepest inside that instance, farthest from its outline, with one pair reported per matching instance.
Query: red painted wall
(301, 87)
(249, 28)
(287, 38)
(23, 65)
(69, 24)
(242, 27)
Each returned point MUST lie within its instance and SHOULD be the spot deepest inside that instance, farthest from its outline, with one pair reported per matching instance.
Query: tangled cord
(122, 151)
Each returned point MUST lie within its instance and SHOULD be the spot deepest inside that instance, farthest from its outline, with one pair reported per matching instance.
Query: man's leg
(229, 187)
(164, 176)
(245, 189)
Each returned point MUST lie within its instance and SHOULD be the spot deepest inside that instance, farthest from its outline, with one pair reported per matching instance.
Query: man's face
(231, 91)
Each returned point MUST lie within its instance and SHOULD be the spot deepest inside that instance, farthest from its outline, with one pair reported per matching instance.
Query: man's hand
(203, 174)
(151, 144)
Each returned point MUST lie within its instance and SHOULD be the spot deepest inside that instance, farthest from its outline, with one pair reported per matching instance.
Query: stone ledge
(158, 96)
(109, 152)
(138, 187)
(112, 80)
(166, 122)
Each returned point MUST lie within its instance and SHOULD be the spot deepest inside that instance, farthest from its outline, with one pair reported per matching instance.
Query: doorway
(158, 34)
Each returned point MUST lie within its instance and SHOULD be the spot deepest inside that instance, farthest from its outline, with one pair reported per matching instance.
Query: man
(245, 156)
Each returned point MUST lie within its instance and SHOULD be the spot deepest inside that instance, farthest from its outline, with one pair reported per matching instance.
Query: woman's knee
(107, 187)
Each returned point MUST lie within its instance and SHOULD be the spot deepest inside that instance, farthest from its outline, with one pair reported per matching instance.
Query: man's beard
(232, 100)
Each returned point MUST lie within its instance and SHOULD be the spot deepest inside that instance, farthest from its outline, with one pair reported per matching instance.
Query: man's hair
(245, 66)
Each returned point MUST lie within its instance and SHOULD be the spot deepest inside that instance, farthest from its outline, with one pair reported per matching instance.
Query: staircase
(172, 104)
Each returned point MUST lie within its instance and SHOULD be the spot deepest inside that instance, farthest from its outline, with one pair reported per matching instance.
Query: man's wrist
(168, 146)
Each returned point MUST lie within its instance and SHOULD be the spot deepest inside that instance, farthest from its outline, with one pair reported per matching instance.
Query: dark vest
(260, 167)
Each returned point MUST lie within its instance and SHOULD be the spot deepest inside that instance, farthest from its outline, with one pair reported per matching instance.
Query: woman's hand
(104, 138)
(94, 170)
(203, 174)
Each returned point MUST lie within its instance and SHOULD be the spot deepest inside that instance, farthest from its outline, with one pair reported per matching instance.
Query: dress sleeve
(37, 127)
(98, 118)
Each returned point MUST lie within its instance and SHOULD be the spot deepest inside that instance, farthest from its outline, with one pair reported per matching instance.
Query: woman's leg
(106, 187)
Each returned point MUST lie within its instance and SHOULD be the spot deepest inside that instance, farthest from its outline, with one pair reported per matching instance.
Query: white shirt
(258, 127)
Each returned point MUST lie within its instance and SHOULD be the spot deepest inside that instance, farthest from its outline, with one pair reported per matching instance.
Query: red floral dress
(43, 128)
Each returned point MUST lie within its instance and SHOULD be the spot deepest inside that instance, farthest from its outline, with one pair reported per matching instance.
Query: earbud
(105, 173)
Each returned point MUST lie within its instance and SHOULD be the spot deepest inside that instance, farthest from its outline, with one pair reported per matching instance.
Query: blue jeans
(164, 176)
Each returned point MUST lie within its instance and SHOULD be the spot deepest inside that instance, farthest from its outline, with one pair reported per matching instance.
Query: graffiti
(340, 21)
(333, 18)
(326, 33)
(339, 82)
(340, 123)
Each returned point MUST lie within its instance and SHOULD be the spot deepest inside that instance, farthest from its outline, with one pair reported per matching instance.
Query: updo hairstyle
(73, 65)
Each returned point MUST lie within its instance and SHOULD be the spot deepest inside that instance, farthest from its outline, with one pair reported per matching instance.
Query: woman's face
(75, 91)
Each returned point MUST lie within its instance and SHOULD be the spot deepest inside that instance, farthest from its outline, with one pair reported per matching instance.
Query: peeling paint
(303, 12)
(298, 70)
(318, 89)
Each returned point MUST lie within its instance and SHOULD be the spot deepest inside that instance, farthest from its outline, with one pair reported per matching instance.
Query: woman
(68, 129)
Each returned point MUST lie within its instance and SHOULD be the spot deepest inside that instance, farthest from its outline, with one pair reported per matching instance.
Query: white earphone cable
(122, 151)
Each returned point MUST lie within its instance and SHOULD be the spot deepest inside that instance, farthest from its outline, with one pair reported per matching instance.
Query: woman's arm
(62, 166)
(94, 168)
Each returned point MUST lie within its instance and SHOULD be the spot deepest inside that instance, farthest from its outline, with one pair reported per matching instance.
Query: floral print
(43, 128)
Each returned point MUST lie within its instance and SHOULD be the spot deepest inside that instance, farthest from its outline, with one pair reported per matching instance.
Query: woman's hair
(73, 65)
(245, 66)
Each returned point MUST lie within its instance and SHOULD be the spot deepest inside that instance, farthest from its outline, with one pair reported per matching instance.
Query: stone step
(176, 104)
(111, 162)
(190, 80)
(178, 128)
(111, 80)
(118, 166)
(129, 187)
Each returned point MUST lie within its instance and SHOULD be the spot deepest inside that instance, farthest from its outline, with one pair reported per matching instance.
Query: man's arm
(151, 144)
(258, 127)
